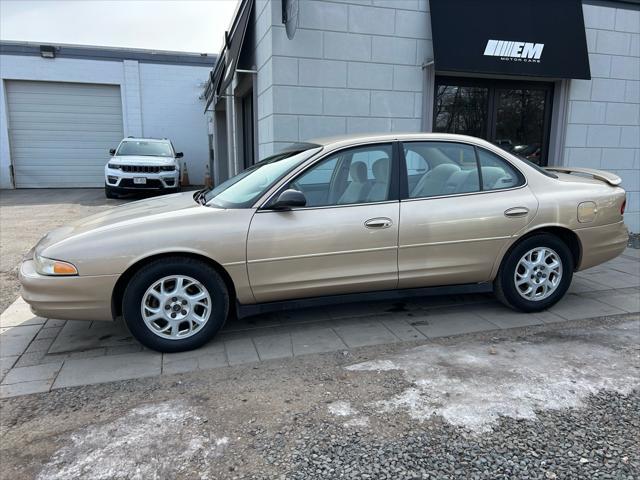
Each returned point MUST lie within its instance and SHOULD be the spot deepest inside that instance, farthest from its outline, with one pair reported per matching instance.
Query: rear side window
(440, 168)
(497, 173)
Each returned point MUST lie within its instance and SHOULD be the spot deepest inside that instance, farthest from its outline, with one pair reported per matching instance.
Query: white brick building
(354, 66)
(62, 108)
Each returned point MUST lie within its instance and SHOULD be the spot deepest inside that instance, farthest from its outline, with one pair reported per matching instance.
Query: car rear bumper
(602, 243)
(68, 298)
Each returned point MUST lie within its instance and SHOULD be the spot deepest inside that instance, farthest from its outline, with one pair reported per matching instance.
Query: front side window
(244, 189)
(449, 169)
(356, 175)
(496, 172)
(144, 149)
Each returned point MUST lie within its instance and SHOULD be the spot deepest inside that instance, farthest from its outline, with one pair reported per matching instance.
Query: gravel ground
(599, 441)
(311, 417)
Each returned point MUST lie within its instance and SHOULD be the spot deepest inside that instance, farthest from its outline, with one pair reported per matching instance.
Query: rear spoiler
(610, 178)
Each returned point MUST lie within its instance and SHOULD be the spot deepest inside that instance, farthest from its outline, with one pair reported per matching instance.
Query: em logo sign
(514, 51)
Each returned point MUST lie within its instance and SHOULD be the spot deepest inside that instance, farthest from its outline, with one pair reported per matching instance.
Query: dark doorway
(247, 129)
(512, 114)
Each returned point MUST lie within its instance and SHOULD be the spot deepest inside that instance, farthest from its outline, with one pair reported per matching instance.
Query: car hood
(141, 160)
(127, 216)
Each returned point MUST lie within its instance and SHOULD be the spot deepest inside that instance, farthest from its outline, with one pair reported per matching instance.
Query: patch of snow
(152, 441)
(358, 422)
(341, 409)
(470, 385)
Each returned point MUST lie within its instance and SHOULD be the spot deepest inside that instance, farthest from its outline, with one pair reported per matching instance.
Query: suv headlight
(113, 165)
(48, 266)
(167, 168)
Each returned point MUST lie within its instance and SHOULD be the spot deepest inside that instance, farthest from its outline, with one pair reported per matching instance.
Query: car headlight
(48, 266)
(113, 165)
(167, 168)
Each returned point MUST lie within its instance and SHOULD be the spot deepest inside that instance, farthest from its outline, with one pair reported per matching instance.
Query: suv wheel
(175, 304)
(535, 274)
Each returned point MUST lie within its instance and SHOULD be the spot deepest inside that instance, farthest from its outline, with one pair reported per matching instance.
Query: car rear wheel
(175, 304)
(535, 274)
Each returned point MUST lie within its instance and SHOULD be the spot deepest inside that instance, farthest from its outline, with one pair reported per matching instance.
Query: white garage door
(60, 133)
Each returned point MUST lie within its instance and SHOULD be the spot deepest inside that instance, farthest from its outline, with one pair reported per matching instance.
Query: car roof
(143, 139)
(346, 140)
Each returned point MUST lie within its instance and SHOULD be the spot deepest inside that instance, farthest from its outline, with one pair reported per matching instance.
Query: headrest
(358, 172)
(381, 169)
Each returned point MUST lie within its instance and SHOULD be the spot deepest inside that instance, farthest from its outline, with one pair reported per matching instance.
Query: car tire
(109, 193)
(150, 299)
(528, 279)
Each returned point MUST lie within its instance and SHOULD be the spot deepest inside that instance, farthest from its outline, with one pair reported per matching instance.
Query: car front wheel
(535, 274)
(175, 304)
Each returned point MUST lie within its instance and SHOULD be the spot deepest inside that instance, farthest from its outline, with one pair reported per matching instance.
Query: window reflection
(520, 122)
(461, 110)
(515, 119)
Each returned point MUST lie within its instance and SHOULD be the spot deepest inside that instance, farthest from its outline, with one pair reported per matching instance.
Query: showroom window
(514, 115)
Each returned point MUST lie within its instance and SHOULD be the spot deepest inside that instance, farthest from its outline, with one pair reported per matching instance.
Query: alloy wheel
(176, 307)
(538, 274)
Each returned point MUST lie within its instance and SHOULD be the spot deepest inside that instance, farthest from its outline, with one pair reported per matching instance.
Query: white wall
(157, 100)
(352, 67)
(603, 128)
(171, 108)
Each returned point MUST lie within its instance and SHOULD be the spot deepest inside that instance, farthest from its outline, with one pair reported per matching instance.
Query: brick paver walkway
(37, 354)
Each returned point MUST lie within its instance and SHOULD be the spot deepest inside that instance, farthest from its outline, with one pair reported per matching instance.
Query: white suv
(142, 164)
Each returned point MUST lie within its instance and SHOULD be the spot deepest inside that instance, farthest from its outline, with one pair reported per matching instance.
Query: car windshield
(144, 149)
(245, 188)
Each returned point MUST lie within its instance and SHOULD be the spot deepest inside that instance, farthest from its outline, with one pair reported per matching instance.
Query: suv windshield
(245, 188)
(145, 149)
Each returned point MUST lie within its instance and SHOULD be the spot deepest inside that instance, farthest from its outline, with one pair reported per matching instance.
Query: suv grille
(139, 169)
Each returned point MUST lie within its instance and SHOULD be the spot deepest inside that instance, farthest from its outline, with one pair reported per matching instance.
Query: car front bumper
(68, 298)
(120, 181)
(602, 243)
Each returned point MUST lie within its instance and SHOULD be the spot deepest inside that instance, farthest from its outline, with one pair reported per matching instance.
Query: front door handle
(381, 222)
(516, 212)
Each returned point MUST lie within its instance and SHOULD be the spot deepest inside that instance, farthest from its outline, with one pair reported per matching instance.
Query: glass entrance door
(514, 115)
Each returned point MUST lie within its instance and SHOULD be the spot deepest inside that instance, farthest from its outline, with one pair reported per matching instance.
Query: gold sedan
(334, 217)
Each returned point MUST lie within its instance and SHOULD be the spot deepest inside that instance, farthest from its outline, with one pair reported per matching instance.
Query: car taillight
(623, 206)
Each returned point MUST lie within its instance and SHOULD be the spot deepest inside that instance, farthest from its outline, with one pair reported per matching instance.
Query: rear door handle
(516, 212)
(382, 222)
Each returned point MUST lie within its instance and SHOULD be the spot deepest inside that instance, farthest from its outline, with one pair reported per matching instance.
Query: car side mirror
(179, 154)
(112, 151)
(289, 199)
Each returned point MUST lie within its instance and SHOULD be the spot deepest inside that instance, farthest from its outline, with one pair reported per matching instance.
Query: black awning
(222, 74)
(536, 38)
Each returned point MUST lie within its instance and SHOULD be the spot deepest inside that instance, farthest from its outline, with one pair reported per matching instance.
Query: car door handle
(382, 222)
(516, 212)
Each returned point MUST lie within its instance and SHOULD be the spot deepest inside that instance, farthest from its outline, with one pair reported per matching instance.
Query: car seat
(357, 189)
(490, 177)
(462, 181)
(380, 187)
(432, 183)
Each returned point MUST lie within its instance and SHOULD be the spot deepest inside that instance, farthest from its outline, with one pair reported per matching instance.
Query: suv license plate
(139, 180)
